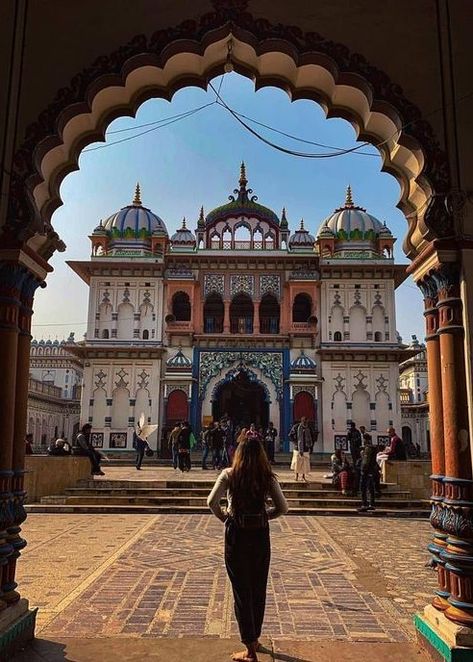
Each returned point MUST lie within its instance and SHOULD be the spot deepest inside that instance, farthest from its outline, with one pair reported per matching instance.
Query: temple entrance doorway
(243, 400)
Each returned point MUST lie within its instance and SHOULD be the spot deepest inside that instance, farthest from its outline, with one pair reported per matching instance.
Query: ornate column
(226, 316)
(256, 317)
(432, 341)
(457, 515)
(30, 283)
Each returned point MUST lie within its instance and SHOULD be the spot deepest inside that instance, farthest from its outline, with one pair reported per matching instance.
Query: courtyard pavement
(107, 586)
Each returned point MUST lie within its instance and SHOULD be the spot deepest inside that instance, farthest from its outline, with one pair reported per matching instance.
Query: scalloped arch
(304, 65)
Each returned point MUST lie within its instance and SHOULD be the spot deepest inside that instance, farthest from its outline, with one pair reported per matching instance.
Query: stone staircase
(189, 496)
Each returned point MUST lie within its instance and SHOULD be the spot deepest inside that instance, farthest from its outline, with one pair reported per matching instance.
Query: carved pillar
(256, 305)
(11, 282)
(432, 342)
(18, 455)
(457, 515)
(226, 316)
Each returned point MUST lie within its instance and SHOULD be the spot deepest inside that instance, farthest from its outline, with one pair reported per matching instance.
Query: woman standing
(301, 455)
(247, 484)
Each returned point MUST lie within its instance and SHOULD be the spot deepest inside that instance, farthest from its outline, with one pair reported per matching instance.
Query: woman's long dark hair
(250, 477)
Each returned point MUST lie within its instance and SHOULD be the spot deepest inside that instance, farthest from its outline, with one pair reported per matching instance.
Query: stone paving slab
(143, 577)
(216, 650)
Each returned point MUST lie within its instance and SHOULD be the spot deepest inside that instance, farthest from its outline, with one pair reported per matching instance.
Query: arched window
(406, 435)
(242, 236)
(301, 308)
(146, 319)
(227, 238)
(378, 336)
(120, 408)
(213, 314)
(269, 314)
(241, 314)
(146, 334)
(269, 242)
(337, 336)
(257, 239)
(181, 307)
(357, 324)
(215, 241)
(125, 321)
(105, 334)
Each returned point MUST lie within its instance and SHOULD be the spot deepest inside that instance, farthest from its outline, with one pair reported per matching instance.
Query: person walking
(184, 443)
(270, 441)
(174, 444)
(368, 472)
(301, 455)
(247, 485)
(86, 448)
(140, 445)
(354, 442)
(205, 445)
(217, 443)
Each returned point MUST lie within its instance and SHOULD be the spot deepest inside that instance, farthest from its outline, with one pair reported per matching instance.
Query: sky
(195, 161)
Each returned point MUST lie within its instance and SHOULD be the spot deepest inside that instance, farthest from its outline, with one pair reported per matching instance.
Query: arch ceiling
(305, 65)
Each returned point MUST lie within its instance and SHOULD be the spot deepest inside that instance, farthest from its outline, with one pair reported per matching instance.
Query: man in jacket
(184, 443)
(369, 470)
(270, 441)
(354, 442)
(174, 444)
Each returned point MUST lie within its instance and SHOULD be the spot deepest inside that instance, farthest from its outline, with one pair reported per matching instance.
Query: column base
(17, 625)
(442, 639)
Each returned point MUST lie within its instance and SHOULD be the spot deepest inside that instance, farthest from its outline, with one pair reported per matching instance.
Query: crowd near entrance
(244, 401)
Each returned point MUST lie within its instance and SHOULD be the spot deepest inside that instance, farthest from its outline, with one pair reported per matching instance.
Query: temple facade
(241, 316)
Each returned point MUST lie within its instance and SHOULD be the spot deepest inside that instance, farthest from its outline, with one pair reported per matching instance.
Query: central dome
(242, 203)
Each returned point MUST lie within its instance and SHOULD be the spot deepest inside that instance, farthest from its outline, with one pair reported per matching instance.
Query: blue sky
(195, 162)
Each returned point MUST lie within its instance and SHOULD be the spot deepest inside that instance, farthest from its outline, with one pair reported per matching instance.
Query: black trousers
(367, 485)
(184, 460)
(247, 556)
(94, 458)
(139, 458)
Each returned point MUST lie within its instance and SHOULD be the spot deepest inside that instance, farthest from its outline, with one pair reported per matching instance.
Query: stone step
(170, 501)
(203, 484)
(203, 492)
(418, 512)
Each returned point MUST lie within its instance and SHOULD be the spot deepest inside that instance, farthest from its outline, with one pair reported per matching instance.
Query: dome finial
(243, 179)
(137, 198)
(201, 220)
(348, 197)
(302, 225)
(184, 224)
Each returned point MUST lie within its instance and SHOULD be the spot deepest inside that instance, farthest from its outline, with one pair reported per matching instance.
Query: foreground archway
(307, 66)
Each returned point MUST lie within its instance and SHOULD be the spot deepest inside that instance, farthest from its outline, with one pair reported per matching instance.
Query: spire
(184, 224)
(302, 225)
(348, 197)
(137, 198)
(283, 223)
(201, 221)
(243, 179)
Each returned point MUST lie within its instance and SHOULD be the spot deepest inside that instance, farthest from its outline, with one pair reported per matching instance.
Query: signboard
(383, 439)
(118, 440)
(96, 439)
(341, 442)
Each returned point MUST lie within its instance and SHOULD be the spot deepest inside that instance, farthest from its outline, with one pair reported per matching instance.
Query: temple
(241, 317)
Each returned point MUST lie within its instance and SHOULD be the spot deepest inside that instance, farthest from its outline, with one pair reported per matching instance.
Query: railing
(36, 386)
(213, 325)
(300, 326)
(177, 325)
(269, 325)
(242, 325)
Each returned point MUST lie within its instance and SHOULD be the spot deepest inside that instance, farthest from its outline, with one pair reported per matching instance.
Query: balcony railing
(213, 325)
(269, 325)
(243, 325)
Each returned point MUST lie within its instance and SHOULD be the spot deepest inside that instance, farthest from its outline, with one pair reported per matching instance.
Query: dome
(179, 360)
(301, 238)
(242, 203)
(134, 221)
(303, 362)
(353, 222)
(183, 237)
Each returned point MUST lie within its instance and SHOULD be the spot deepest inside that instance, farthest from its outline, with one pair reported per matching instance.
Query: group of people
(218, 442)
(363, 473)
